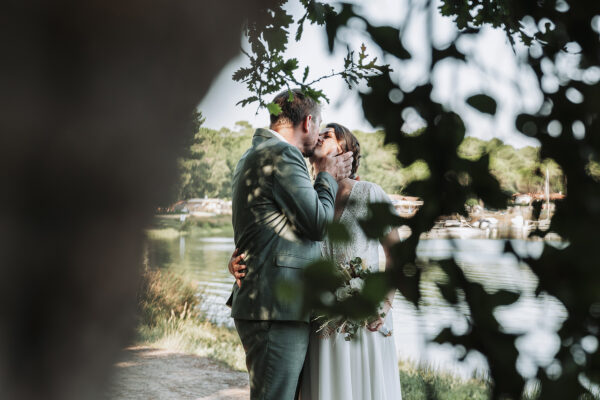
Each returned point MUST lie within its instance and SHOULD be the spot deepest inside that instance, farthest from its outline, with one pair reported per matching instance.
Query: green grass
(194, 336)
(163, 295)
(424, 383)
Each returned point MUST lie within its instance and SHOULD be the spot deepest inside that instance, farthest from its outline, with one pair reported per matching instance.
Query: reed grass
(165, 294)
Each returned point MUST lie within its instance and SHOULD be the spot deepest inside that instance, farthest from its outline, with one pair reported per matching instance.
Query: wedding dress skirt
(366, 367)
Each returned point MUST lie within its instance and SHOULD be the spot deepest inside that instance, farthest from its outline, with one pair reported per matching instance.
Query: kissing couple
(279, 218)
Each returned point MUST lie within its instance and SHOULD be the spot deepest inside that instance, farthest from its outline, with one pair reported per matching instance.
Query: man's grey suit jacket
(279, 217)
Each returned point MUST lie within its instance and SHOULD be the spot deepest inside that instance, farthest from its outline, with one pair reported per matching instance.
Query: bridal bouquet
(353, 275)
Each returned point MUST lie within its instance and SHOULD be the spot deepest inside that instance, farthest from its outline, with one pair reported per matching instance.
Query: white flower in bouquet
(344, 292)
(357, 283)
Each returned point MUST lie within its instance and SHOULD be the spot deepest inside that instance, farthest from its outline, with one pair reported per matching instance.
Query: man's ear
(306, 123)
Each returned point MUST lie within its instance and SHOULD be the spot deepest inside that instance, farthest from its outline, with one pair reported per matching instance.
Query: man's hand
(235, 268)
(338, 166)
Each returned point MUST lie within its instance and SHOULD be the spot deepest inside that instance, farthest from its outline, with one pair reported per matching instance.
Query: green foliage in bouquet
(351, 280)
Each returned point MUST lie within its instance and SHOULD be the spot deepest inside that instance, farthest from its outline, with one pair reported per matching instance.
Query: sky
(492, 67)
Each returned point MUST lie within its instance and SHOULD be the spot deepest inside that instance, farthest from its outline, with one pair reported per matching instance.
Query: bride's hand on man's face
(339, 166)
(329, 156)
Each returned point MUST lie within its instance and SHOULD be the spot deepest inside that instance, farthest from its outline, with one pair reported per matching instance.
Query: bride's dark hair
(348, 142)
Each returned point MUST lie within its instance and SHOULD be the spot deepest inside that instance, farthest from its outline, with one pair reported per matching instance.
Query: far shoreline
(173, 225)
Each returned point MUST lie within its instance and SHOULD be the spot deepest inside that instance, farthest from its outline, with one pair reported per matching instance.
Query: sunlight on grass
(422, 382)
(197, 337)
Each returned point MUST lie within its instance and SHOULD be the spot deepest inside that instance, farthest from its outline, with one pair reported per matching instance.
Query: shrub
(163, 294)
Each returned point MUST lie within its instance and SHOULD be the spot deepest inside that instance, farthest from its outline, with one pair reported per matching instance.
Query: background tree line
(207, 167)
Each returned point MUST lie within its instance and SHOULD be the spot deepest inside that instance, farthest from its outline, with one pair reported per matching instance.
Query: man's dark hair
(296, 110)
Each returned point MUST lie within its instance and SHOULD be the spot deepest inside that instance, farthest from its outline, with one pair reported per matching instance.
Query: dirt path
(152, 374)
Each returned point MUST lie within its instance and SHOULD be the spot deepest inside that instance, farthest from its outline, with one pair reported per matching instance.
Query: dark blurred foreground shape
(95, 97)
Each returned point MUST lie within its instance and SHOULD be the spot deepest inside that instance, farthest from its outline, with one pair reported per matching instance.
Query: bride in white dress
(366, 367)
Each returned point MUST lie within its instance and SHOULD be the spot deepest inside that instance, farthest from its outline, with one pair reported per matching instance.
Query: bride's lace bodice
(365, 368)
(357, 208)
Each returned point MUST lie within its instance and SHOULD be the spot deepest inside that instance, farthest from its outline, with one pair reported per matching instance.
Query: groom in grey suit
(279, 216)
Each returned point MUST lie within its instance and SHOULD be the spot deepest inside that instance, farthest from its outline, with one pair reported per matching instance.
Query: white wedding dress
(365, 368)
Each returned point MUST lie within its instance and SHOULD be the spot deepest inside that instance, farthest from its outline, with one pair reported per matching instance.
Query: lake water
(482, 260)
